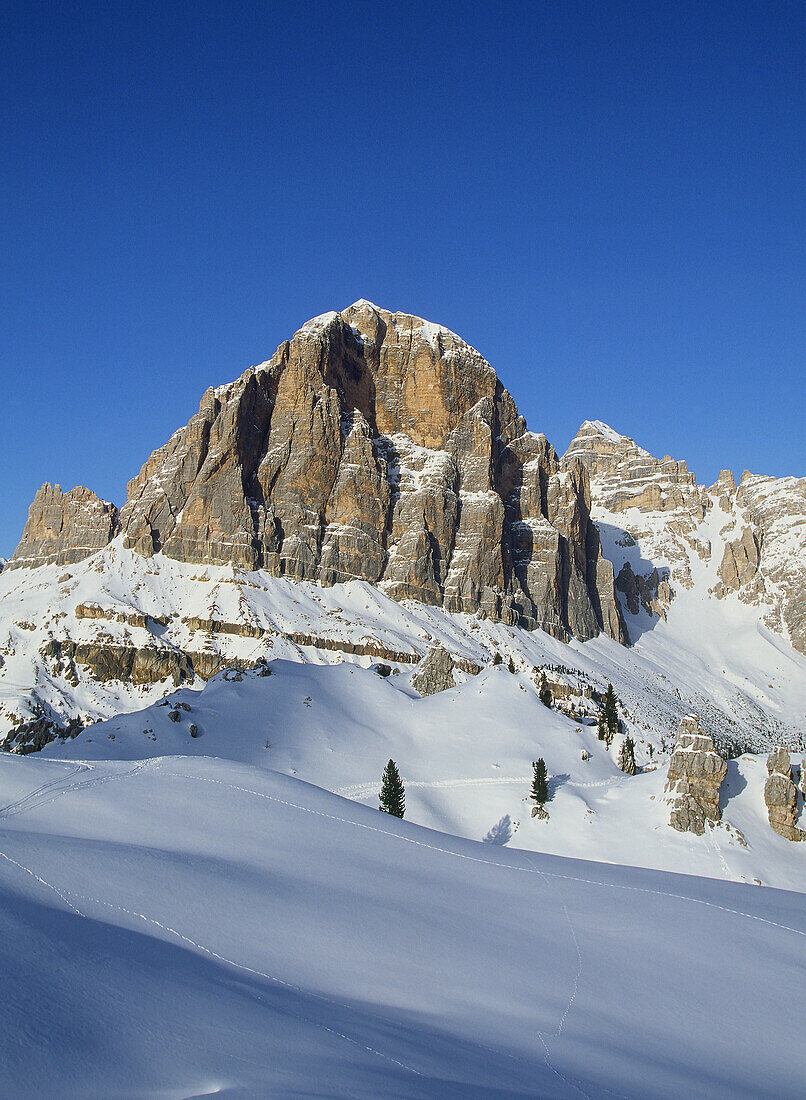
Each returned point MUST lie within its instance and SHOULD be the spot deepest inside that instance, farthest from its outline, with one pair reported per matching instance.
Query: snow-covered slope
(140, 621)
(182, 927)
(465, 755)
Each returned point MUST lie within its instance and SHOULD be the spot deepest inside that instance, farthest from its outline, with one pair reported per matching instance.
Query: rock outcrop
(776, 507)
(435, 672)
(740, 560)
(696, 771)
(63, 528)
(630, 477)
(653, 593)
(781, 796)
(376, 446)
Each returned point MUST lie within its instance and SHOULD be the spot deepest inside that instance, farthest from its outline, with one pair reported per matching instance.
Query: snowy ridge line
(65, 897)
(492, 863)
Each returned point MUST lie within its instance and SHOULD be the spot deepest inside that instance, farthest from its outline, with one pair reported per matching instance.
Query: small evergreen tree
(546, 698)
(540, 783)
(609, 721)
(496, 658)
(511, 666)
(393, 794)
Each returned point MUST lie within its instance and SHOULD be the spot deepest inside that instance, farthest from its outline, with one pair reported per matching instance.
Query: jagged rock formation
(656, 514)
(657, 501)
(781, 796)
(630, 477)
(696, 771)
(651, 593)
(777, 507)
(740, 560)
(376, 446)
(435, 672)
(64, 527)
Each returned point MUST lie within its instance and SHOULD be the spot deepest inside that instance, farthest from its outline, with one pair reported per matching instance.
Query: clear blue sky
(607, 199)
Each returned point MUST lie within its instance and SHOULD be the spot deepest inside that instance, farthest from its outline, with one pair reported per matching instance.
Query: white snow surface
(465, 756)
(179, 927)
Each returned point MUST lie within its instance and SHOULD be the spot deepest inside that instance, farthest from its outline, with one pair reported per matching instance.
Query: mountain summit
(375, 446)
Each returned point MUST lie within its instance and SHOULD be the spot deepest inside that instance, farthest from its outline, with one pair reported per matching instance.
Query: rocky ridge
(659, 527)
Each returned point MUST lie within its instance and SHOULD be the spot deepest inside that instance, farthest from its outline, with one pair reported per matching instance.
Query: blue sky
(606, 199)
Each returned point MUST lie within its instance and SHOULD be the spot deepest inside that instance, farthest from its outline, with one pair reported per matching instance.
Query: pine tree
(511, 666)
(540, 785)
(393, 794)
(609, 722)
(497, 658)
(546, 698)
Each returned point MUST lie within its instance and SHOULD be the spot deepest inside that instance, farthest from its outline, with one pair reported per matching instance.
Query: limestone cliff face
(379, 446)
(64, 527)
(750, 538)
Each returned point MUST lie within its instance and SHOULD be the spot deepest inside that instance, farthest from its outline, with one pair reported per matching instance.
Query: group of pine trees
(393, 794)
(609, 724)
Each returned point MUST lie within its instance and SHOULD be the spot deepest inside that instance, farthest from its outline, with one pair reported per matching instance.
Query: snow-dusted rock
(696, 771)
(435, 672)
(781, 796)
(373, 445)
(64, 527)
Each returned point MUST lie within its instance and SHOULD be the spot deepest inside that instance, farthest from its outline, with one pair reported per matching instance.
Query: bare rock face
(776, 507)
(781, 796)
(741, 559)
(696, 771)
(64, 527)
(652, 593)
(379, 446)
(630, 477)
(435, 672)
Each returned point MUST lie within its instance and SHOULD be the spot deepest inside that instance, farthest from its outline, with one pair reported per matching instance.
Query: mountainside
(663, 532)
(371, 489)
(372, 445)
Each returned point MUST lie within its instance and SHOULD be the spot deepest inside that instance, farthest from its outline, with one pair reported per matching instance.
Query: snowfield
(181, 927)
(465, 757)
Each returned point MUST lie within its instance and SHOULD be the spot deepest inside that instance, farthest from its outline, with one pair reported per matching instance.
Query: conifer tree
(540, 785)
(609, 721)
(393, 794)
(546, 698)
(511, 666)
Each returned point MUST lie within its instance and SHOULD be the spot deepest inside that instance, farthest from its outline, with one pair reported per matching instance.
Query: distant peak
(603, 429)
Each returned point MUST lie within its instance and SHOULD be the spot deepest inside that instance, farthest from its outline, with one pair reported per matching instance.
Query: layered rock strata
(696, 771)
(376, 446)
(781, 796)
(63, 528)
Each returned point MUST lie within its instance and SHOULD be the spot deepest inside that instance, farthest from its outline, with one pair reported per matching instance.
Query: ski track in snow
(55, 789)
(34, 801)
(367, 790)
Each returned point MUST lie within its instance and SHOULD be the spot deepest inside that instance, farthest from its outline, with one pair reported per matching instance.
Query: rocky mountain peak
(64, 527)
(378, 446)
